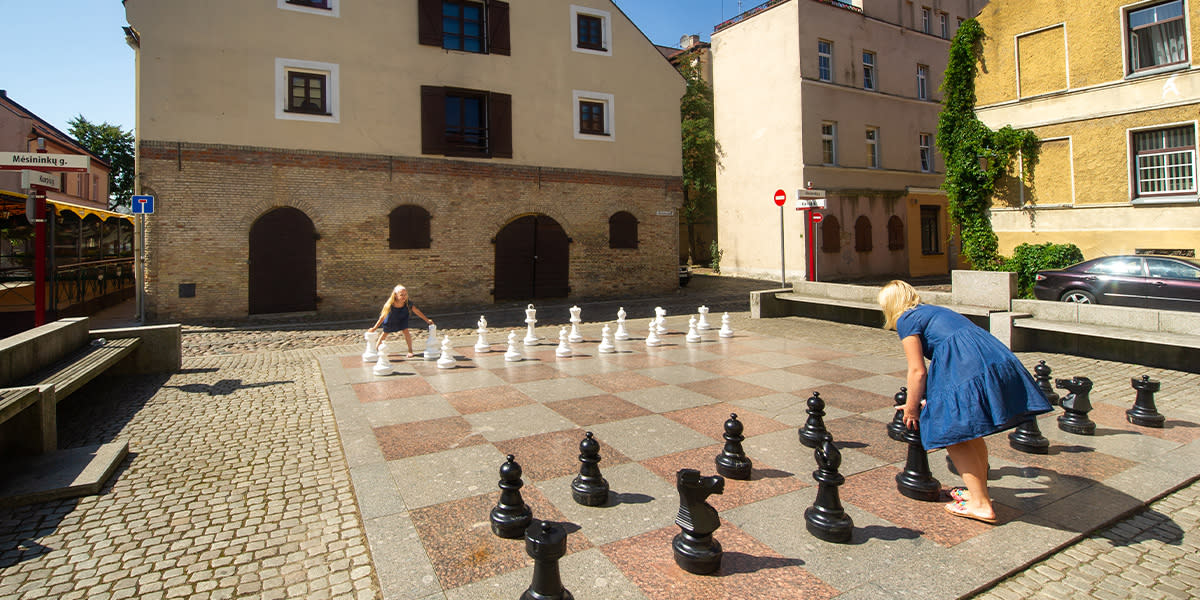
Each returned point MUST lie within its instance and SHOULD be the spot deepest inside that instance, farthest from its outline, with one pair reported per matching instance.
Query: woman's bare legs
(970, 458)
(379, 342)
(408, 340)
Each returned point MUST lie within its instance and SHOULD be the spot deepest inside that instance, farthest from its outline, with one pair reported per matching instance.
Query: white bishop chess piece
(693, 336)
(382, 365)
(703, 325)
(482, 345)
(575, 337)
(726, 330)
(621, 334)
(606, 343)
(447, 360)
(432, 352)
(652, 335)
(371, 354)
(530, 319)
(512, 355)
(564, 348)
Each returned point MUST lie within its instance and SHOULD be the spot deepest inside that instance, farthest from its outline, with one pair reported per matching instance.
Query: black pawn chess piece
(589, 488)
(1041, 375)
(825, 518)
(732, 462)
(695, 549)
(1076, 406)
(545, 543)
(511, 516)
(814, 432)
(916, 481)
(895, 429)
(1144, 412)
(1027, 437)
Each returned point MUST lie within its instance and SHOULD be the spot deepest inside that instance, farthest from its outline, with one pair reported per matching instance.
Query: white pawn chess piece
(447, 360)
(693, 336)
(660, 315)
(371, 354)
(606, 344)
(564, 349)
(703, 325)
(575, 336)
(726, 330)
(512, 355)
(530, 319)
(431, 345)
(621, 334)
(382, 365)
(652, 336)
(482, 345)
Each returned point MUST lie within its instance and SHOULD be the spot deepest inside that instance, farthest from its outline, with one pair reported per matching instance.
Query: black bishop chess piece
(1144, 412)
(511, 516)
(732, 462)
(695, 549)
(916, 481)
(895, 429)
(814, 432)
(826, 518)
(1076, 406)
(545, 543)
(589, 488)
(1027, 437)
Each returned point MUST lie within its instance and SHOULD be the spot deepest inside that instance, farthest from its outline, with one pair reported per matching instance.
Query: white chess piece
(606, 344)
(382, 365)
(660, 315)
(703, 325)
(726, 330)
(431, 344)
(447, 360)
(652, 336)
(371, 354)
(693, 336)
(512, 355)
(621, 334)
(482, 345)
(530, 319)
(564, 349)
(575, 336)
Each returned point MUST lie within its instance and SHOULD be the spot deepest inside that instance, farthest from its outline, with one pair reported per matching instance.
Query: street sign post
(142, 205)
(808, 199)
(780, 199)
(16, 161)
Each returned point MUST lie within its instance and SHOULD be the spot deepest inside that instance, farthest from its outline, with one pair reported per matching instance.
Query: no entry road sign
(780, 197)
(816, 216)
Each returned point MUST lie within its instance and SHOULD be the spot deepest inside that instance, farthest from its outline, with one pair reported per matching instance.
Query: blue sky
(68, 57)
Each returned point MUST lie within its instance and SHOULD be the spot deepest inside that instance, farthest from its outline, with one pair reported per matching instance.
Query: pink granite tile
(354, 362)
(620, 381)
(423, 437)
(524, 373)
(848, 398)
(549, 455)
(400, 386)
(1077, 460)
(867, 436)
(765, 481)
(731, 347)
(710, 420)
(591, 410)
(819, 354)
(639, 360)
(828, 372)
(730, 367)
(1175, 430)
(484, 399)
(727, 390)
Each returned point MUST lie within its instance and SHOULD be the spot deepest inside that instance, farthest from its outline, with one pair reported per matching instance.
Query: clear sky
(68, 57)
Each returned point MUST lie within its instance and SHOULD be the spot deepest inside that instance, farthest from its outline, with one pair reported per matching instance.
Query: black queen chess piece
(545, 543)
(895, 429)
(694, 547)
(511, 516)
(1027, 437)
(916, 481)
(732, 462)
(1076, 406)
(1144, 412)
(589, 488)
(814, 432)
(826, 518)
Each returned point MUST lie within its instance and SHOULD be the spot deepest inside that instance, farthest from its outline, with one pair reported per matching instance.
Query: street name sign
(32, 179)
(14, 161)
(806, 199)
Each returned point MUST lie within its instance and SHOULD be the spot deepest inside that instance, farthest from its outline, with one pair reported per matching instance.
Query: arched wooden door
(283, 263)
(532, 260)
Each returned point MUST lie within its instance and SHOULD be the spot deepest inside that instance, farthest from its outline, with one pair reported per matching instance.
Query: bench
(82, 366)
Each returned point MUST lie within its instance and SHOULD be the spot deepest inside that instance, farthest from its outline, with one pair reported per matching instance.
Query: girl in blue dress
(974, 386)
(394, 316)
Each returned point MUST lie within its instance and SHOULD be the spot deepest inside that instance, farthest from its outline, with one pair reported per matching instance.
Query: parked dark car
(1162, 282)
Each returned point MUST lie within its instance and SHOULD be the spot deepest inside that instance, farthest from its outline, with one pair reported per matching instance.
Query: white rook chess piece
(660, 315)
(693, 336)
(370, 354)
(621, 333)
(482, 345)
(564, 349)
(530, 319)
(382, 365)
(606, 344)
(703, 325)
(652, 336)
(447, 360)
(575, 337)
(431, 345)
(512, 355)
(726, 330)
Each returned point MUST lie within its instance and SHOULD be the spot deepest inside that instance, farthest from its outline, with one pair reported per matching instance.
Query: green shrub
(1028, 259)
(715, 252)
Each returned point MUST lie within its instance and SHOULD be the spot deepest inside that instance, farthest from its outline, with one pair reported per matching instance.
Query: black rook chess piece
(896, 428)
(825, 518)
(511, 515)
(916, 481)
(1076, 406)
(1027, 437)
(695, 549)
(589, 488)
(813, 432)
(1144, 412)
(732, 462)
(545, 543)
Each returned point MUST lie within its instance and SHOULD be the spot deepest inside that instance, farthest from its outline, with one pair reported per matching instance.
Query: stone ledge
(61, 474)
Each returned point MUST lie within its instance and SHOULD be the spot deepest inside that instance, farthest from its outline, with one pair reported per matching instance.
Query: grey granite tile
(450, 475)
(454, 380)
(639, 501)
(677, 374)
(399, 559)
(666, 398)
(782, 381)
(376, 491)
(586, 574)
(406, 410)
(549, 390)
(517, 422)
(883, 365)
(652, 435)
(885, 385)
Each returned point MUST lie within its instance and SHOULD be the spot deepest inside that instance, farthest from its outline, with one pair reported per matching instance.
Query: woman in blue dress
(974, 386)
(394, 316)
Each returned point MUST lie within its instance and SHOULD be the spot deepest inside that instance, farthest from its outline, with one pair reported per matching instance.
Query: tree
(113, 145)
(699, 151)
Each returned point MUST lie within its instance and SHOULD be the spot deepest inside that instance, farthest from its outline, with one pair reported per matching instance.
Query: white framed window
(591, 30)
(1157, 36)
(829, 143)
(868, 66)
(306, 90)
(925, 148)
(824, 60)
(329, 8)
(872, 147)
(593, 116)
(1165, 161)
(922, 82)
(944, 23)
(926, 20)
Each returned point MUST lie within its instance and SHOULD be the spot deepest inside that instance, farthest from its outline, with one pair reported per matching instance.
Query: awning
(84, 211)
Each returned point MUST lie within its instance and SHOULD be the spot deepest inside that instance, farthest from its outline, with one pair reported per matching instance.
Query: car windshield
(1122, 265)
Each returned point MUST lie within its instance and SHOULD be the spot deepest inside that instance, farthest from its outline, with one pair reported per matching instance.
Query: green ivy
(1028, 259)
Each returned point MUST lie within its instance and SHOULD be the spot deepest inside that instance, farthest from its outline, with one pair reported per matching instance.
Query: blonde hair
(387, 306)
(895, 298)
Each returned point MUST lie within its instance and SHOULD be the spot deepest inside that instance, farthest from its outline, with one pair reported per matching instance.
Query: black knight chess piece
(695, 549)
(916, 481)
(1144, 412)
(732, 462)
(589, 488)
(814, 432)
(545, 543)
(825, 518)
(511, 516)
(1076, 406)
(895, 429)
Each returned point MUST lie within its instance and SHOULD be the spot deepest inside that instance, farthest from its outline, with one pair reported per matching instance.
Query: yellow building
(1111, 88)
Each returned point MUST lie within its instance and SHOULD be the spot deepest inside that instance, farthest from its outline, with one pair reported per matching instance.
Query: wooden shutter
(497, 25)
(433, 120)
(429, 22)
(500, 125)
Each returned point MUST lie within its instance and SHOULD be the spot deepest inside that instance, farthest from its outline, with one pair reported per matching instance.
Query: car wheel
(1079, 296)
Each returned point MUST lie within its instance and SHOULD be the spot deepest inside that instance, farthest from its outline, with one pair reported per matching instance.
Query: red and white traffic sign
(780, 197)
(816, 217)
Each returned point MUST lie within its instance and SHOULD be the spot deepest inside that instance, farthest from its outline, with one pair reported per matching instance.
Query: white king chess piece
(660, 316)
(575, 336)
(621, 334)
(370, 354)
(606, 343)
(564, 348)
(530, 319)
(482, 345)
(447, 360)
(382, 365)
(726, 330)
(512, 355)
(652, 335)
(703, 325)
(431, 345)
(693, 336)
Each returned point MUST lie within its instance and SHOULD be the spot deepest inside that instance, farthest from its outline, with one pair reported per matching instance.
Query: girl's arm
(417, 311)
(377, 323)
(916, 379)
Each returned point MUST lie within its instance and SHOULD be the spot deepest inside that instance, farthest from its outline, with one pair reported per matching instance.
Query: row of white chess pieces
(444, 355)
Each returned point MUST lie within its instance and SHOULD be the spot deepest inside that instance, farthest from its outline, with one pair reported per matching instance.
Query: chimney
(688, 41)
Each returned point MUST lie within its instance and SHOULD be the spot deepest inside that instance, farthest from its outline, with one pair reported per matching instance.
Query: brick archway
(532, 260)
(283, 263)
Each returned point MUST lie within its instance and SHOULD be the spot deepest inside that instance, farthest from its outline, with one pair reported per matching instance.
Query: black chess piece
(916, 481)
(814, 432)
(695, 549)
(545, 543)
(1027, 437)
(732, 462)
(511, 516)
(1144, 412)
(896, 428)
(1041, 375)
(825, 518)
(1076, 406)
(589, 488)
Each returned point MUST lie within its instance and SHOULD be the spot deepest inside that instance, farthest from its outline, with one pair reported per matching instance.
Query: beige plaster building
(308, 155)
(845, 96)
(1112, 90)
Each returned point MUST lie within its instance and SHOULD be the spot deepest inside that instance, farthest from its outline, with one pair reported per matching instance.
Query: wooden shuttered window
(622, 230)
(500, 125)
(408, 228)
(430, 33)
(433, 120)
(862, 234)
(429, 22)
(497, 27)
(434, 125)
(831, 234)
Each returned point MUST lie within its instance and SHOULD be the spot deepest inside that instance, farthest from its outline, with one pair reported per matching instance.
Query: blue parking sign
(143, 205)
